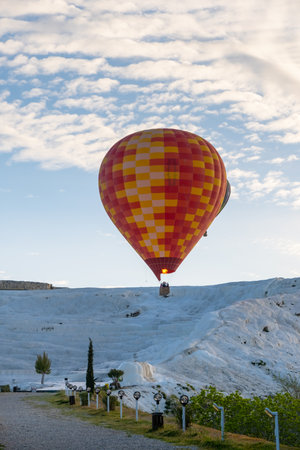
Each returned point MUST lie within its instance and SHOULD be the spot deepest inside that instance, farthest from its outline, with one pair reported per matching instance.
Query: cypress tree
(90, 380)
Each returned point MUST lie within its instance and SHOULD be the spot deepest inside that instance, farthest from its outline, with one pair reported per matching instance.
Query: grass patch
(196, 435)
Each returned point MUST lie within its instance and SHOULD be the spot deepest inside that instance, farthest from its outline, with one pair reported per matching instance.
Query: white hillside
(199, 335)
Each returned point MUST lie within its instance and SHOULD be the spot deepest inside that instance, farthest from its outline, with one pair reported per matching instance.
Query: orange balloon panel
(162, 188)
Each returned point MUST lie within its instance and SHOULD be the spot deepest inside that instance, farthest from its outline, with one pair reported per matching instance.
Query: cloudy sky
(76, 76)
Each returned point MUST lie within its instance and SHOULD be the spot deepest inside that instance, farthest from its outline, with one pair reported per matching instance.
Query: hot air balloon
(162, 188)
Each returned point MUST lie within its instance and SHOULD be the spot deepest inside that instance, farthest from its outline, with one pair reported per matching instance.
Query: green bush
(247, 416)
(4, 388)
(113, 401)
(174, 407)
(84, 398)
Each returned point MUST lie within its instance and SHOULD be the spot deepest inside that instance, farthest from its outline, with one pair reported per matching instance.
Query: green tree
(117, 376)
(90, 380)
(43, 365)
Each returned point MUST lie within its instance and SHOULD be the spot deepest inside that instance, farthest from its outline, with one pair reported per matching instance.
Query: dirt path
(24, 426)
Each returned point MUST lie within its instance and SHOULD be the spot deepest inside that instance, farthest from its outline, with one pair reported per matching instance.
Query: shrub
(247, 416)
(84, 398)
(113, 401)
(174, 407)
(4, 388)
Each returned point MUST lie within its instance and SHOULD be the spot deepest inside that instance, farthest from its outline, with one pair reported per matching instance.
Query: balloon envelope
(226, 198)
(162, 188)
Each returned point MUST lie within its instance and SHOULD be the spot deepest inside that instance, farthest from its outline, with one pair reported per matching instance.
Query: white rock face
(199, 335)
(136, 373)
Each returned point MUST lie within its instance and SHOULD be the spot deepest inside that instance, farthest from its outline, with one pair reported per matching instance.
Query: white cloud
(285, 123)
(35, 92)
(289, 195)
(90, 103)
(280, 160)
(56, 64)
(82, 85)
(54, 140)
(282, 245)
(18, 8)
(237, 174)
(292, 137)
(274, 186)
(99, 70)
(11, 47)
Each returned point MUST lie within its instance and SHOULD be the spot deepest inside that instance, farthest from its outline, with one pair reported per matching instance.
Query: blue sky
(76, 76)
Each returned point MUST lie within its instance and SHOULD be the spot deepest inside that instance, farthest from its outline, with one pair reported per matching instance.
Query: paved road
(23, 426)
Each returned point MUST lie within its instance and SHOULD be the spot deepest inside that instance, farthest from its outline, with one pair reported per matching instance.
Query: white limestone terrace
(234, 336)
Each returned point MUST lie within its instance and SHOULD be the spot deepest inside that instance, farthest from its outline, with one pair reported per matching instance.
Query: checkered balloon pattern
(162, 188)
